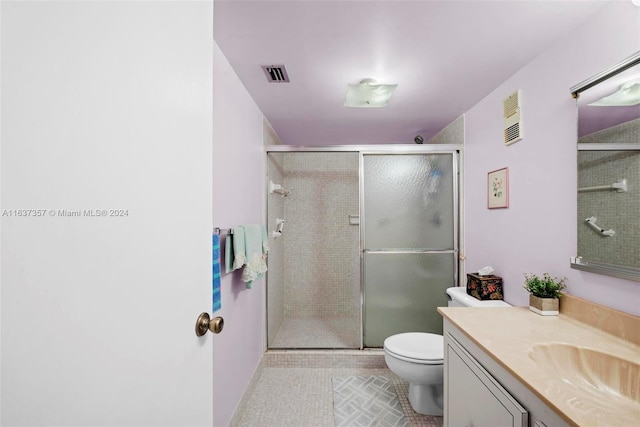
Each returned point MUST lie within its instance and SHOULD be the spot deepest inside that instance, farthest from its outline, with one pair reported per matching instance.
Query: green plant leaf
(545, 286)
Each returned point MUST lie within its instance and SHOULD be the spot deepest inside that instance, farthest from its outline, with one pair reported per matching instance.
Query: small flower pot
(544, 306)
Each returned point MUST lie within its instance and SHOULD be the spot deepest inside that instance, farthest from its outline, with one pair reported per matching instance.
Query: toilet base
(426, 399)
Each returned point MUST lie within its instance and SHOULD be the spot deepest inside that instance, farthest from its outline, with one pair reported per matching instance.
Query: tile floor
(288, 394)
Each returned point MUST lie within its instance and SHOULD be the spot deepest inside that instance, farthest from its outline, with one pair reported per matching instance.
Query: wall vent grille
(512, 113)
(276, 73)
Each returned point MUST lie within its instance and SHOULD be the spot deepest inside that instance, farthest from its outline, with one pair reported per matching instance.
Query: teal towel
(217, 302)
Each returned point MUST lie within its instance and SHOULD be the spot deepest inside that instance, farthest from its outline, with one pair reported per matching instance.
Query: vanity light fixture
(369, 93)
(627, 95)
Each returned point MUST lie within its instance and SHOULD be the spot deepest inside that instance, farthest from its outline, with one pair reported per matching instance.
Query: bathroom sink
(599, 377)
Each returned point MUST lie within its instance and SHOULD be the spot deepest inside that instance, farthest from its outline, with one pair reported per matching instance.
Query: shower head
(418, 139)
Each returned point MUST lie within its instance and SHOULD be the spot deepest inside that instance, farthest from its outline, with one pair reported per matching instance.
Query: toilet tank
(458, 297)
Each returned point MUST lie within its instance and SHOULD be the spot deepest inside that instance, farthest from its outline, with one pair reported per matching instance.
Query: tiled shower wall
(452, 134)
(322, 274)
(314, 267)
(617, 211)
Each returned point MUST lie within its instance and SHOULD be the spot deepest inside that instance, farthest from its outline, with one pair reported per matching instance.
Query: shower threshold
(306, 358)
(318, 332)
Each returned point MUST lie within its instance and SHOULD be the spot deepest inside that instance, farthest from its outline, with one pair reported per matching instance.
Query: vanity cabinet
(479, 392)
(474, 397)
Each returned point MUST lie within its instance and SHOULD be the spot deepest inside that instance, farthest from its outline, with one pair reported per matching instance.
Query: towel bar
(219, 230)
(592, 222)
(620, 185)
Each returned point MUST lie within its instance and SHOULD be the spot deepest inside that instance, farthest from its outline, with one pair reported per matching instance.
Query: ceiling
(445, 56)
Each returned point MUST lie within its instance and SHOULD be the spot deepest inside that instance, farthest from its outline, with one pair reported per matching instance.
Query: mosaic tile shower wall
(611, 208)
(452, 134)
(316, 291)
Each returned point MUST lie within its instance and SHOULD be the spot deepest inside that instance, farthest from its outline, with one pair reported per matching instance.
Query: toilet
(418, 357)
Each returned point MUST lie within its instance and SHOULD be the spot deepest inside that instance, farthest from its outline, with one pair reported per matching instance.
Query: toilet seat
(416, 347)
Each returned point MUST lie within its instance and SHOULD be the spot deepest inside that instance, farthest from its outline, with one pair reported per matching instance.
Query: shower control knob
(204, 323)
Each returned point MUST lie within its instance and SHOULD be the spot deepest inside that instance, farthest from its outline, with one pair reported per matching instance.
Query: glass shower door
(409, 236)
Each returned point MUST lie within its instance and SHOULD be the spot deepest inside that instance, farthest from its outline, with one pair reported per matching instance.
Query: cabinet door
(474, 397)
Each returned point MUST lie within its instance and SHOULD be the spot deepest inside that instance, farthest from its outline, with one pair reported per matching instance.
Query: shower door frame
(456, 150)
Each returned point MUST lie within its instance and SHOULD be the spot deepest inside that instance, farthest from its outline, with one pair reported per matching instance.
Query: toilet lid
(416, 345)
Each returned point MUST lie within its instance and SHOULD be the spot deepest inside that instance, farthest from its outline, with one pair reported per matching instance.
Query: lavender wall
(238, 198)
(537, 233)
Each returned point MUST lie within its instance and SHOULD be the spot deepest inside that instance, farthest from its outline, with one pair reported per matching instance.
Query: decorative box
(484, 287)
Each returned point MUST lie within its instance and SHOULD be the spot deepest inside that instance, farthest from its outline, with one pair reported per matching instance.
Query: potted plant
(544, 293)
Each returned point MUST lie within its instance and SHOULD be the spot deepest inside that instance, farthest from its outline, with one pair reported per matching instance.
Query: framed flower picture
(498, 189)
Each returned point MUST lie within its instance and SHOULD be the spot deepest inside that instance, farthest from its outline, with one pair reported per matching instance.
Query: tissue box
(484, 287)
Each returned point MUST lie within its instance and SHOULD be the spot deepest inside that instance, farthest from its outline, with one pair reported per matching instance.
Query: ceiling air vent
(276, 73)
(512, 118)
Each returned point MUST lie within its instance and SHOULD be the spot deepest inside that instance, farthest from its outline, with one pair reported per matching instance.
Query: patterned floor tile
(366, 401)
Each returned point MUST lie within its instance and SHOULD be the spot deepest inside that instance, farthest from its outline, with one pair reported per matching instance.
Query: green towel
(234, 251)
(256, 247)
(239, 252)
(228, 254)
(247, 247)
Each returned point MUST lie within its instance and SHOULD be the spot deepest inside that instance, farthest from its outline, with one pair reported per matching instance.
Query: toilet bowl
(418, 358)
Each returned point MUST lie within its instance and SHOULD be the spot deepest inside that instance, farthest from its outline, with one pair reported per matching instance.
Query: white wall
(106, 105)
(537, 233)
(238, 198)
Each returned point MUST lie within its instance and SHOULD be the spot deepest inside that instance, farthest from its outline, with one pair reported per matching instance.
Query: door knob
(204, 323)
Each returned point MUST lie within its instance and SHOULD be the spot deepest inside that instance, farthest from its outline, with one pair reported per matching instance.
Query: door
(106, 213)
(409, 240)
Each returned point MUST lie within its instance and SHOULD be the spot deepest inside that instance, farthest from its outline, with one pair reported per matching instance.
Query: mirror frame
(578, 263)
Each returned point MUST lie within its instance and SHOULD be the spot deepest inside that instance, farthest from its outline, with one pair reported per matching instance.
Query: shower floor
(318, 332)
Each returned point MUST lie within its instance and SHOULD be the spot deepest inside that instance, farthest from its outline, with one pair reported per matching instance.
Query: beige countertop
(508, 335)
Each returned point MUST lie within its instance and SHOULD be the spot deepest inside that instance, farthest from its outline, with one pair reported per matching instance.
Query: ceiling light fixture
(627, 95)
(369, 93)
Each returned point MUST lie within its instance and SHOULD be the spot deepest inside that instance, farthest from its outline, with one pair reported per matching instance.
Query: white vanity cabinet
(478, 392)
(473, 396)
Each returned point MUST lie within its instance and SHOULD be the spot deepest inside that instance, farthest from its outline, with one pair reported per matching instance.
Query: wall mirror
(609, 171)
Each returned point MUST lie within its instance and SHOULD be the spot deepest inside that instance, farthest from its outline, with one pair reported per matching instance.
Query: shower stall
(364, 243)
